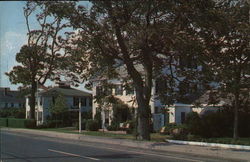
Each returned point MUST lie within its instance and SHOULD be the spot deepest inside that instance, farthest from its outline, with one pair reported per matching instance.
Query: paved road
(27, 148)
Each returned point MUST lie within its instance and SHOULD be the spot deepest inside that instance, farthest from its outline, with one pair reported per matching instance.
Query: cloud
(11, 43)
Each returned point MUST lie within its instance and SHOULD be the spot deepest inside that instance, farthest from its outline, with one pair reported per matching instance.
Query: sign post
(80, 116)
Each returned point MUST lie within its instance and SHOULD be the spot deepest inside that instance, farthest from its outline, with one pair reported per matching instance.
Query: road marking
(70, 154)
(173, 157)
(109, 148)
(144, 153)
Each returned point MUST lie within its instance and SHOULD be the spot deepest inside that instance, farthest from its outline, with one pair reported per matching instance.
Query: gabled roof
(66, 91)
(11, 96)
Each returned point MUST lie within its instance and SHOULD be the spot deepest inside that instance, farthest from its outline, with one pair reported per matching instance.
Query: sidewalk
(160, 146)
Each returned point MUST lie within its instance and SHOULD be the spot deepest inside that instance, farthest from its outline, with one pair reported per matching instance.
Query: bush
(76, 124)
(53, 123)
(3, 122)
(132, 127)
(12, 112)
(168, 128)
(98, 118)
(92, 125)
(179, 132)
(21, 123)
(194, 123)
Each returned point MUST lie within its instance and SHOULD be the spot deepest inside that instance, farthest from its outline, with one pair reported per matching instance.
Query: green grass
(61, 130)
(239, 141)
(155, 137)
(222, 140)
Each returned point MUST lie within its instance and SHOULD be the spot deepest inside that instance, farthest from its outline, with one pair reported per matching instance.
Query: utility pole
(80, 115)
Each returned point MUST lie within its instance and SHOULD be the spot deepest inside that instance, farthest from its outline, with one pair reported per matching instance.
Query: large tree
(225, 42)
(40, 57)
(141, 36)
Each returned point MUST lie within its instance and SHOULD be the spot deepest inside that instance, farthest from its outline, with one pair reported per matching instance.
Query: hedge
(92, 125)
(21, 123)
(3, 122)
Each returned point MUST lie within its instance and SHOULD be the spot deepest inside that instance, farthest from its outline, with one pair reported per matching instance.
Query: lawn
(156, 137)
(239, 141)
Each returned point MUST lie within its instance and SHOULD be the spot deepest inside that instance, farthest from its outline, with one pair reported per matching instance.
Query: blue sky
(13, 34)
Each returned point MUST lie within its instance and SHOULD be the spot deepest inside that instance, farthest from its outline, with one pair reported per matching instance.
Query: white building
(47, 97)
(161, 114)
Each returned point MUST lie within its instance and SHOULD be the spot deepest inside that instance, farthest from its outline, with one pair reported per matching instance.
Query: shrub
(98, 118)
(194, 123)
(113, 127)
(92, 125)
(132, 127)
(53, 123)
(3, 122)
(76, 124)
(21, 123)
(168, 128)
(12, 112)
(179, 132)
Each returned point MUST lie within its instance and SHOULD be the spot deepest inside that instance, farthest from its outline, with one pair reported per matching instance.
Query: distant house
(162, 114)
(46, 98)
(11, 99)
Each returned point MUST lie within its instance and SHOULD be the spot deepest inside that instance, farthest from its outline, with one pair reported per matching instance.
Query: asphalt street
(30, 148)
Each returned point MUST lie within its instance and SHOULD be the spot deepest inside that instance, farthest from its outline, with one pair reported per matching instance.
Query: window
(84, 101)
(103, 91)
(40, 115)
(187, 61)
(187, 88)
(20, 104)
(157, 110)
(12, 104)
(41, 101)
(53, 100)
(99, 91)
(130, 90)
(183, 117)
(160, 85)
(6, 105)
(75, 101)
(90, 101)
(108, 91)
(118, 90)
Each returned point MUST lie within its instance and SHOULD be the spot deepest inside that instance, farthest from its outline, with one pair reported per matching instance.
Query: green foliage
(193, 123)
(121, 112)
(176, 131)
(132, 127)
(60, 105)
(3, 122)
(12, 112)
(83, 124)
(113, 127)
(21, 123)
(217, 124)
(155, 34)
(92, 125)
(98, 117)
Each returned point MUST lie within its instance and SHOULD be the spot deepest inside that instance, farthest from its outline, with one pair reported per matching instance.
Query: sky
(13, 35)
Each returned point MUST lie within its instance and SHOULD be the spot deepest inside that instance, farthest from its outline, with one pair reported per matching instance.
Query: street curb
(227, 146)
(156, 146)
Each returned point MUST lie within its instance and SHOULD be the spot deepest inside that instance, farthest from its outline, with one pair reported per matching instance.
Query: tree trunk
(33, 100)
(143, 126)
(236, 112)
(143, 115)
